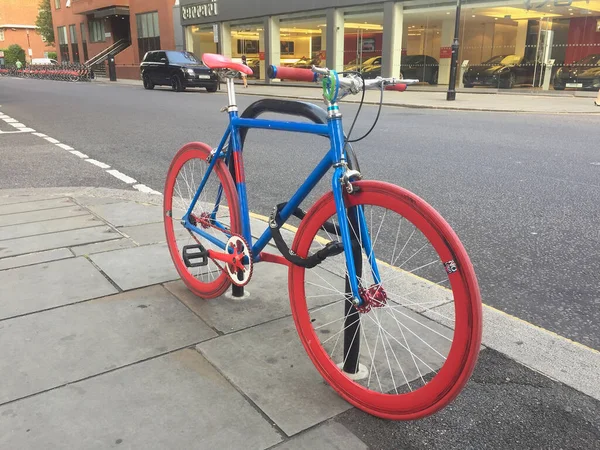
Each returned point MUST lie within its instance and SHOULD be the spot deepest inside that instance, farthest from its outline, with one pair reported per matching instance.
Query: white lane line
(77, 153)
(9, 120)
(18, 125)
(98, 163)
(39, 134)
(26, 130)
(52, 140)
(146, 189)
(64, 146)
(121, 176)
(4, 116)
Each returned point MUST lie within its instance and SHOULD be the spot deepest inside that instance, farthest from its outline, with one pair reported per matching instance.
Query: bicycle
(382, 292)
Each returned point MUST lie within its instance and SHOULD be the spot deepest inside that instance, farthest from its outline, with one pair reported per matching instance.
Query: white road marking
(146, 189)
(39, 134)
(64, 146)
(121, 176)
(52, 140)
(77, 153)
(98, 163)
(27, 130)
(18, 125)
(9, 120)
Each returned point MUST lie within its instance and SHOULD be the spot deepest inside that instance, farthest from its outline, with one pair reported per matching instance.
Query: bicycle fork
(353, 227)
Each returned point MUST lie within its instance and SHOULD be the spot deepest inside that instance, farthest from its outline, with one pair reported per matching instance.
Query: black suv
(176, 69)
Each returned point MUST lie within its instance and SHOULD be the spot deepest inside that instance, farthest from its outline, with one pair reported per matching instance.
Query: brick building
(17, 26)
(90, 30)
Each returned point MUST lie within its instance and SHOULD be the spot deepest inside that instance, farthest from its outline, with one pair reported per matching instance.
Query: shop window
(301, 36)
(200, 40)
(148, 32)
(248, 39)
(74, 45)
(96, 31)
(63, 44)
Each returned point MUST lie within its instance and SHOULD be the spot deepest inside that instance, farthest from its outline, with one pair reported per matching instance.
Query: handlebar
(350, 84)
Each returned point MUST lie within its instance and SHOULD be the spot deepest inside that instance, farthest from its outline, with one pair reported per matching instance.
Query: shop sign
(445, 52)
(199, 10)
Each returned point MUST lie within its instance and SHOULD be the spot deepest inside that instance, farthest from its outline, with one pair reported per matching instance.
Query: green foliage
(52, 55)
(44, 22)
(12, 53)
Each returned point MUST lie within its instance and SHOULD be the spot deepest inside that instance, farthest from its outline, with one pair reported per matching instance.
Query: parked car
(179, 70)
(582, 74)
(354, 65)
(44, 62)
(417, 67)
(503, 71)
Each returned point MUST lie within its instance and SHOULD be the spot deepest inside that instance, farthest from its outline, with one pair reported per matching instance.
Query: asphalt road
(521, 190)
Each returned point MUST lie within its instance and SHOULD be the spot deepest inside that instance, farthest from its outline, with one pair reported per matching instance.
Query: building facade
(536, 38)
(17, 26)
(86, 30)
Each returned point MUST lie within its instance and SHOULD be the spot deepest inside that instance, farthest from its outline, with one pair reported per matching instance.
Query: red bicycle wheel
(183, 178)
(411, 347)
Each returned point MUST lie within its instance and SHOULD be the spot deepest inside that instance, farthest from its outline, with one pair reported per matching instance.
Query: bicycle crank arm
(234, 260)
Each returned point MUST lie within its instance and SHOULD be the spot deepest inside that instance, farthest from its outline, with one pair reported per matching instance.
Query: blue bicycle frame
(336, 157)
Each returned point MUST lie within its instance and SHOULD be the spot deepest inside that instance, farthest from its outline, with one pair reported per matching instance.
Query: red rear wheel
(185, 174)
(412, 346)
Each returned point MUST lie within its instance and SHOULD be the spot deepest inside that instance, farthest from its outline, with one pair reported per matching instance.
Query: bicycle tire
(212, 281)
(394, 399)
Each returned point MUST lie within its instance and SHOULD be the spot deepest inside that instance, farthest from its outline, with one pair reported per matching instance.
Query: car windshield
(503, 60)
(592, 60)
(182, 58)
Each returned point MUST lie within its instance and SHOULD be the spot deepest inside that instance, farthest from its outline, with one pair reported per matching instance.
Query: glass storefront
(529, 45)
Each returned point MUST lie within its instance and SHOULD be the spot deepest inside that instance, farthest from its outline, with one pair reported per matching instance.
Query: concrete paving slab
(125, 214)
(38, 216)
(37, 205)
(177, 401)
(150, 233)
(42, 286)
(269, 364)
(96, 201)
(129, 327)
(99, 247)
(49, 226)
(330, 436)
(30, 244)
(35, 258)
(268, 300)
(137, 267)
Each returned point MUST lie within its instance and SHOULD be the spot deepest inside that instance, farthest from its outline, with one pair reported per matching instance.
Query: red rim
(186, 153)
(461, 360)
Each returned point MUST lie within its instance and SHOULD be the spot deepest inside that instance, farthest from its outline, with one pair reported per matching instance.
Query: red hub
(203, 220)
(372, 297)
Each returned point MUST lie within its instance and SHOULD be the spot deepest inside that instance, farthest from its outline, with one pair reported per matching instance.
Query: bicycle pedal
(192, 253)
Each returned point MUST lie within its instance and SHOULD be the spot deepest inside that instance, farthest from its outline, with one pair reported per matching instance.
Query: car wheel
(177, 84)
(211, 88)
(147, 83)
(559, 88)
(510, 82)
(468, 85)
(434, 78)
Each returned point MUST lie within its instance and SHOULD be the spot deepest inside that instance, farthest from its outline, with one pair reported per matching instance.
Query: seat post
(232, 105)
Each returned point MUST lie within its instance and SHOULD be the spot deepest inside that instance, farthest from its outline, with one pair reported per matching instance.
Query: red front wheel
(216, 212)
(411, 346)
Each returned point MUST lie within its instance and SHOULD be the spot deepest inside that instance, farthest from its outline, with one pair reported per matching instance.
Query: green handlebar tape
(330, 87)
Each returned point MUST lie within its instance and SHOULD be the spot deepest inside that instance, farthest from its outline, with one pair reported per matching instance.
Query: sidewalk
(104, 347)
(417, 97)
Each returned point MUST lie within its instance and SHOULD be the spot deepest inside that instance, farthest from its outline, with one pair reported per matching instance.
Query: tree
(44, 22)
(12, 53)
